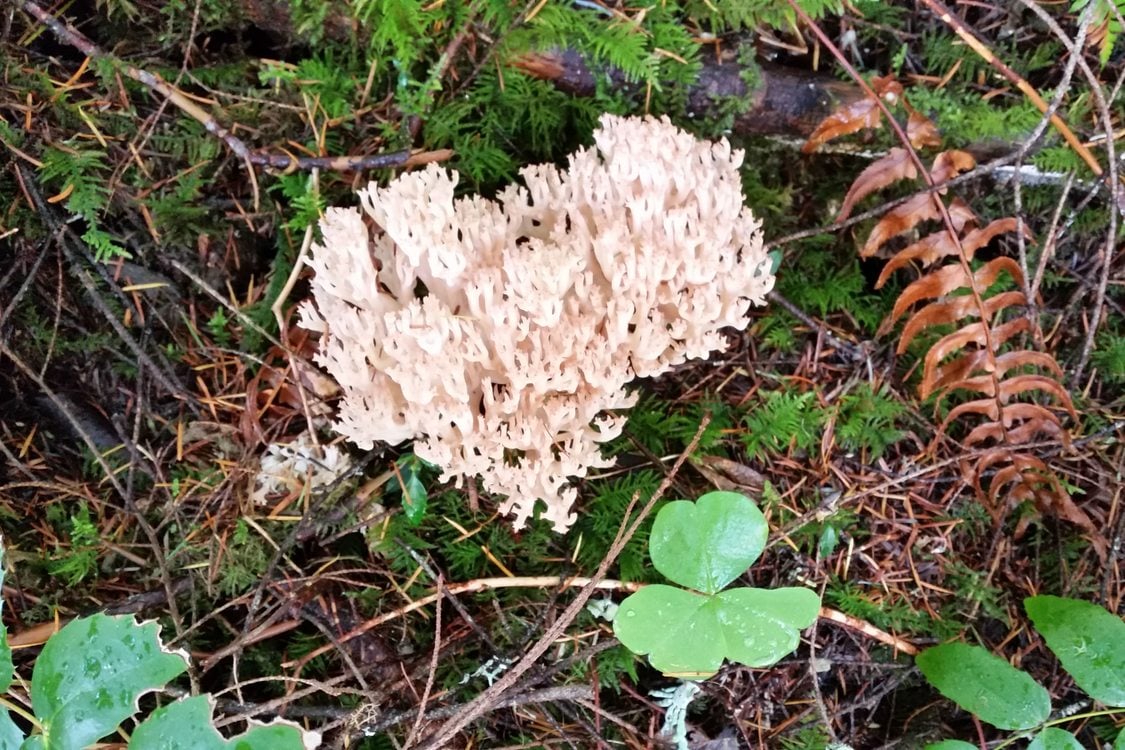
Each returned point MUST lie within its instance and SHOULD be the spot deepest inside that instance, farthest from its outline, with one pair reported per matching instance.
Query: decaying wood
(774, 100)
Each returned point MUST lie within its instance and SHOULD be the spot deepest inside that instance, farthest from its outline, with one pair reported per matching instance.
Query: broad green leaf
(687, 634)
(414, 499)
(11, 736)
(6, 669)
(1055, 739)
(951, 745)
(186, 725)
(654, 620)
(1088, 640)
(89, 675)
(985, 685)
(707, 544)
(1119, 743)
(775, 260)
(763, 625)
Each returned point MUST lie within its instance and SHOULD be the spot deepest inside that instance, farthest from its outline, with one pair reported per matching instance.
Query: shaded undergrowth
(143, 375)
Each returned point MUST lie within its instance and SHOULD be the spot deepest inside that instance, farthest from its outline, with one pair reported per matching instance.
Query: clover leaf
(687, 634)
(704, 546)
(707, 544)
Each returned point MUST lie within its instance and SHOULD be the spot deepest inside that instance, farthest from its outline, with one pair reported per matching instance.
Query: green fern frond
(648, 424)
(966, 119)
(866, 420)
(749, 14)
(102, 243)
(398, 27)
(776, 331)
(602, 516)
(784, 419)
(683, 425)
(892, 615)
(306, 204)
(1060, 159)
(1109, 357)
(83, 172)
(1107, 14)
(614, 665)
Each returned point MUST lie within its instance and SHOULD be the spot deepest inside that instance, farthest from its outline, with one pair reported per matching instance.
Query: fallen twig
(369, 722)
(67, 34)
(889, 639)
(467, 587)
(947, 17)
(490, 697)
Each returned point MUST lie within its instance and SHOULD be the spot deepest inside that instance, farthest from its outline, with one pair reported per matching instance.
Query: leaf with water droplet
(985, 685)
(1088, 640)
(10, 734)
(707, 544)
(1053, 738)
(87, 679)
(755, 627)
(6, 670)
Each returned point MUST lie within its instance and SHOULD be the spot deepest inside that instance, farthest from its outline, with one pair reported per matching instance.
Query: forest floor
(165, 441)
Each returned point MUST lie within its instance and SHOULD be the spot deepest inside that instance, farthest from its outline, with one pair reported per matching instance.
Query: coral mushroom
(500, 334)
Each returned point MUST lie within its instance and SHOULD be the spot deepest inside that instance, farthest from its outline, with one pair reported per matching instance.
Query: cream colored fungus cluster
(500, 334)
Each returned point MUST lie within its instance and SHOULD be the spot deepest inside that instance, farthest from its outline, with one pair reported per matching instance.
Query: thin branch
(429, 675)
(486, 700)
(948, 18)
(1117, 193)
(369, 722)
(67, 34)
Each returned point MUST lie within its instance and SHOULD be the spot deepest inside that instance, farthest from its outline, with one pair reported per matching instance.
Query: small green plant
(244, 558)
(407, 481)
(1105, 23)
(1109, 357)
(87, 681)
(785, 420)
(867, 419)
(82, 173)
(1089, 643)
(217, 326)
(687, 632)
(80, 560)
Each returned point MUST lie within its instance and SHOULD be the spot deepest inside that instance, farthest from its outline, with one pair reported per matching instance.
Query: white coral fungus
(500, 334)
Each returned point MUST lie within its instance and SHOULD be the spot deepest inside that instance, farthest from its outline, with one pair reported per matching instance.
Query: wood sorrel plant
(687, 632)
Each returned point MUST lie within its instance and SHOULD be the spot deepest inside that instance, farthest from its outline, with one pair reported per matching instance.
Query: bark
(768, 99)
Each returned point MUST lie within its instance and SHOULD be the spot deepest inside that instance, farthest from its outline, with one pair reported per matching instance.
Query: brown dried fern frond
(1011, 397)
